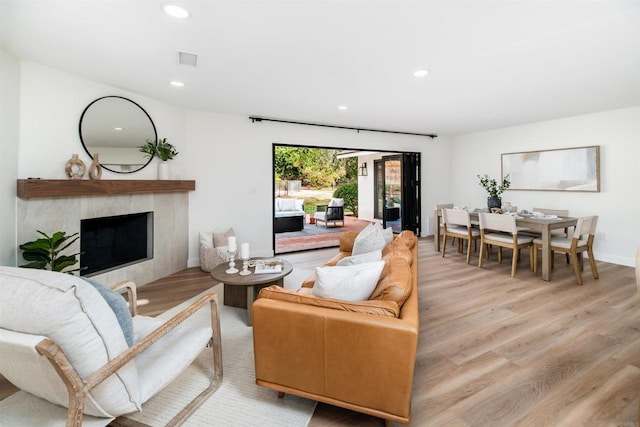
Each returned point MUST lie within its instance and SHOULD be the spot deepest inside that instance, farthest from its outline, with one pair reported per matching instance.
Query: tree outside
(320, 170)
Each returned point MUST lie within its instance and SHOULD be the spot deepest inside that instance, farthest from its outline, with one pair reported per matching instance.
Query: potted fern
(164, 150)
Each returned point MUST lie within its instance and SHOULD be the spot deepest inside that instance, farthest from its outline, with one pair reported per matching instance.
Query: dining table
(542, 224)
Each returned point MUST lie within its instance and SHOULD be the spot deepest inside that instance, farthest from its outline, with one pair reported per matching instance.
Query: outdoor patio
(316, 236)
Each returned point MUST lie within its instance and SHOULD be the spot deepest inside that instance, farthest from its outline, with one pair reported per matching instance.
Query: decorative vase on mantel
(74, 168)
(163, 170)
(95, 170)
(494, 202)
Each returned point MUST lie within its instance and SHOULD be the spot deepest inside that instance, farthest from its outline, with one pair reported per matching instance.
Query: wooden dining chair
(501, 231)
(457, 224)
(438, 210)
(560, 213)
(581, 241)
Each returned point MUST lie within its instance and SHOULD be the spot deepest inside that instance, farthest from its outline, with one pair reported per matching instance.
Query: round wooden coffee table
(236, 296)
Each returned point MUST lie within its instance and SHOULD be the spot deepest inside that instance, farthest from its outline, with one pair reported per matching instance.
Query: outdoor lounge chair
(333, 212)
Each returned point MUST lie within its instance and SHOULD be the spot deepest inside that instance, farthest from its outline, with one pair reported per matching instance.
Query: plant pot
(163, 170)
(494, 202)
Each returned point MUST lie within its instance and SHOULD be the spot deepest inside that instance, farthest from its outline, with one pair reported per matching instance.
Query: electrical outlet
(602, 236)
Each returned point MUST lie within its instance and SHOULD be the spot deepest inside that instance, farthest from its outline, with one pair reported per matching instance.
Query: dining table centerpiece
(491, 186)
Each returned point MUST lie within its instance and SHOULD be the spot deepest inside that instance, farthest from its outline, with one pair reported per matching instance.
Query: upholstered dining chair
(581, 241)
(68, 343)
(501, 231)
(560, 213)
(457, 224)
(438, 210)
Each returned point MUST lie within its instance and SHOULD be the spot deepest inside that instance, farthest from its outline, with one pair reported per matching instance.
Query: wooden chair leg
(480, 256)
(514, 262)
(444, 244)
(469, 252)
(592, 263)
(576, 267)
(531, 258)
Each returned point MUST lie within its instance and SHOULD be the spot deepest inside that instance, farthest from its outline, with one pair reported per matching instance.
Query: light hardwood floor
(496, 350)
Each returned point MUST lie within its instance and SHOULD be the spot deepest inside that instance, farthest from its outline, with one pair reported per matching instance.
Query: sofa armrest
(333, 355)
(346, 241)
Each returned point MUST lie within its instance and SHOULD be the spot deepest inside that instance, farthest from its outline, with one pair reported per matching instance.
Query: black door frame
(417, 201)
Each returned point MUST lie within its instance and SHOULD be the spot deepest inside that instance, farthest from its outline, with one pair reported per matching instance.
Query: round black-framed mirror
(115, 127)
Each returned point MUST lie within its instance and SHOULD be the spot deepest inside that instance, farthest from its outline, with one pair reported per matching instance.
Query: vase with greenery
(164, 150)
(494, 190)
(45, 253)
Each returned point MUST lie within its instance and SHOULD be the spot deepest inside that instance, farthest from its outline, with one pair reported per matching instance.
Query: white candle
(232, 246)
(244, 251)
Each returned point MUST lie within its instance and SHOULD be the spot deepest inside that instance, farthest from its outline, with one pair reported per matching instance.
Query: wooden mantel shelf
(31, 188)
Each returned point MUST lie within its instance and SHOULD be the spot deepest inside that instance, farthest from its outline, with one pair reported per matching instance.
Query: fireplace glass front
(112, 242)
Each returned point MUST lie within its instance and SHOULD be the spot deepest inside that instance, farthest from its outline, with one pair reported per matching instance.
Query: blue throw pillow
(119, 306)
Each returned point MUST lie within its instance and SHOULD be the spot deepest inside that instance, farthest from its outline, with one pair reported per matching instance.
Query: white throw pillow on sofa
(348, 283)
(361, 259)
(369, 239)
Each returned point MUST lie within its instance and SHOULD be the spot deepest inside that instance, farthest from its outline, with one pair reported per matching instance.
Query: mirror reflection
(115, 128)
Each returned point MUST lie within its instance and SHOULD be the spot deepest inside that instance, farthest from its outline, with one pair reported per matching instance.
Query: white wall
(51, 103)
(229, 156)
(231, 160)
(617, 204)
(9, 137)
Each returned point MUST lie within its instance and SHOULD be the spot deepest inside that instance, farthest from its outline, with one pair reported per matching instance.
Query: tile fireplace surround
(64, 213)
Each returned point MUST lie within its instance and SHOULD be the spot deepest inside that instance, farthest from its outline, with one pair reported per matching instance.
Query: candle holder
(232, 264)
(245, 267)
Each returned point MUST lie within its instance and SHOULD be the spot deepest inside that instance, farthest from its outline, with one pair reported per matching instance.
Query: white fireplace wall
(170, 228)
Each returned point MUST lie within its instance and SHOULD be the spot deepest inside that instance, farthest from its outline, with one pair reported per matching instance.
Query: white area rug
(238, 401)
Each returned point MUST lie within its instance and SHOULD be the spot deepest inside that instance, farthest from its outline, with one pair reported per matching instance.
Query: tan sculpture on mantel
(74, 168)
(95, 170)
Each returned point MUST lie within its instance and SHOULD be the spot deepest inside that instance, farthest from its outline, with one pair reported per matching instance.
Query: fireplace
(112, 242)
(61, 205)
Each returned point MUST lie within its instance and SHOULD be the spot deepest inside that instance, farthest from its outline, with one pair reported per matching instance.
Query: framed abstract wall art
(563, 169)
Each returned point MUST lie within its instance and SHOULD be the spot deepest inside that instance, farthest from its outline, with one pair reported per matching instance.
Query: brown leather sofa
(356, 355)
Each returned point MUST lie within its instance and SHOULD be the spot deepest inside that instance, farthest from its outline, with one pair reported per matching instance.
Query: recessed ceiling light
(343, 107)
(118, 128)
(176, 83)
(176, 11)
(421, 73)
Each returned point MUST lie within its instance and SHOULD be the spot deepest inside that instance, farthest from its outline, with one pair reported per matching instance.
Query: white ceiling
(493, 63)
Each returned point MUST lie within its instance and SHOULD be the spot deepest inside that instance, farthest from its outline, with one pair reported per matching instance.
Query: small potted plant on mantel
(165, 152)
(494, 190)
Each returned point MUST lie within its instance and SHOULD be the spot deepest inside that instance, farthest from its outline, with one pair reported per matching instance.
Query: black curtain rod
(264, 119)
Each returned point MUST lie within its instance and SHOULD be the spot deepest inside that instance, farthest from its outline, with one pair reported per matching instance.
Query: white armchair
(61, 341)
